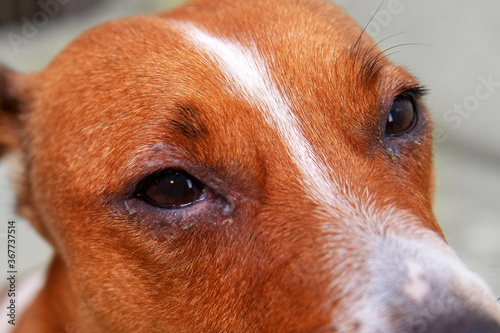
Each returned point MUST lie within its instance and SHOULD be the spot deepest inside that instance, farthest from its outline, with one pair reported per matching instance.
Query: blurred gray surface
(18, 10)
(460, 49)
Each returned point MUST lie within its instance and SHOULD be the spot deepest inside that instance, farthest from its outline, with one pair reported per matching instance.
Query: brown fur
(124, 100)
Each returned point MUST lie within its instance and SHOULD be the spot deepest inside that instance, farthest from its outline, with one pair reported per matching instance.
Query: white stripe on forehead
(249, 76)
(365, 226)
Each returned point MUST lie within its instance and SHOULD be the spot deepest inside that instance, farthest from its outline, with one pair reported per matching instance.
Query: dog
(234, 166)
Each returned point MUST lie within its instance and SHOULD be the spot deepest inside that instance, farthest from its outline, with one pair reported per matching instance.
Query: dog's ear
(13, 101)
(10, 111)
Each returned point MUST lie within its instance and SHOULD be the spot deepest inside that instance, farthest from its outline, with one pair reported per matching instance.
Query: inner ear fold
(10, 111)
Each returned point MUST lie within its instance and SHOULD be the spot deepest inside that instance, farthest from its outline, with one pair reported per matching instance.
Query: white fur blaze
(249, 77)
(421, 266)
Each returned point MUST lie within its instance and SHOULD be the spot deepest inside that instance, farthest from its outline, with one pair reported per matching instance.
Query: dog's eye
(402, 118)
(172, 189)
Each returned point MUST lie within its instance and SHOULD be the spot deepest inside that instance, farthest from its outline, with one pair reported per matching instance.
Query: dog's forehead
(204, 72)
(303, 50)
(300, 57)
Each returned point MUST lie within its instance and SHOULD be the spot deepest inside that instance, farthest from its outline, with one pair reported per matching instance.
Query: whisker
(384, 39)
(391, 36)
(366, 26)
(404, 44)
(389, 54)
(370, 67)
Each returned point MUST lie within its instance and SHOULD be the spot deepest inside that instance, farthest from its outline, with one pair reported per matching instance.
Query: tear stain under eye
(150, 222)
(227, 221)
(164, 221)
(131, 210)
(393, 154)
(228, 208)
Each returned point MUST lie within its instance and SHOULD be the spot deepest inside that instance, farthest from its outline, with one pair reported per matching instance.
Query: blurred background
(456, 55)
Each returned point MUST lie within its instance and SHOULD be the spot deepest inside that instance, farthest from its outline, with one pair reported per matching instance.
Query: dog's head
(238, 166)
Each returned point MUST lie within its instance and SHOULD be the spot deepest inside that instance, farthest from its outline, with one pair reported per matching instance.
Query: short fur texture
(316, 221)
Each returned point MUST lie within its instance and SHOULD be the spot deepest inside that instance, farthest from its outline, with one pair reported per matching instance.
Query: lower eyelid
(206, 195)
(148, 201)
(211, 208)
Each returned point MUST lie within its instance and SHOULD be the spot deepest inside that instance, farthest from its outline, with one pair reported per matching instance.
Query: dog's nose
(415, 288)
(483, 328)
(486, 327)
(463, 324)
(455, 321)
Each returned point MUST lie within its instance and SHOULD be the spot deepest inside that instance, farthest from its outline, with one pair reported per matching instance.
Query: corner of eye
(129, 206)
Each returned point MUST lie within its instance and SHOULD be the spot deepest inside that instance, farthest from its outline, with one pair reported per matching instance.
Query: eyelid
(415, 92)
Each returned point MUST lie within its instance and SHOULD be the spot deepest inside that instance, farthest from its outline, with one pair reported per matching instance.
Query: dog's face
(238, 166)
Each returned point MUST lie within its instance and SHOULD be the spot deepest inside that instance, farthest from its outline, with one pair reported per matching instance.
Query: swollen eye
(172, 189)
(402, 117)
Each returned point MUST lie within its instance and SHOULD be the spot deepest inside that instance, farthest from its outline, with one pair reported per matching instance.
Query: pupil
(402, 117)
(173, 189)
